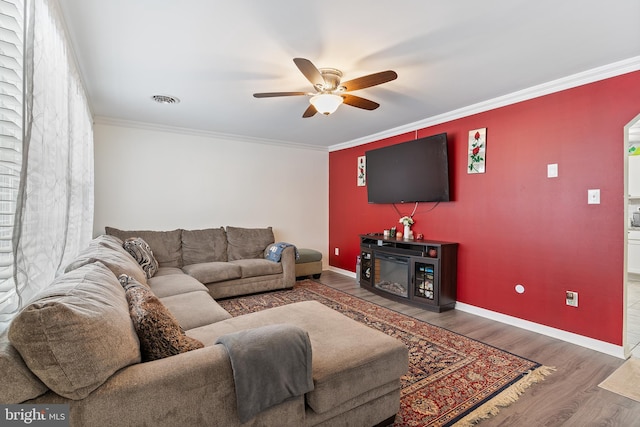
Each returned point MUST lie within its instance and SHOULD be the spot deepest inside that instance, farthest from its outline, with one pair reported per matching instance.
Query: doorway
(632, 239)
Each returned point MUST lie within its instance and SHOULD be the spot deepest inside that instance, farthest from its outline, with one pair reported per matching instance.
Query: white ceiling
(213, 55)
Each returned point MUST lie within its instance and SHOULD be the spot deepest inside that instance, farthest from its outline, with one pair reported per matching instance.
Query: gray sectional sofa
(228, 263)
(77, 342)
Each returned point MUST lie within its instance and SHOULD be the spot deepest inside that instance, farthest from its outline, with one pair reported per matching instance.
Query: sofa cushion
(258, 267)
(159, 333)
(142, 253)
(117, 260)
(306, 255)
(77, 332)
(211, 272)
(195, 309)
(207, 245)
(166, 271)
(166, 245)
(248, 242)
(17, 382)
(173, 284)
(111, 242)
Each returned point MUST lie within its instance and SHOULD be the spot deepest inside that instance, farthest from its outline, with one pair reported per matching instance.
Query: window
(11, 126)
(46, 153)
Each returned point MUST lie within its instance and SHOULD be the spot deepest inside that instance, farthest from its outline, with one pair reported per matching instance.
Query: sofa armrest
(288, 260)
(192, 388)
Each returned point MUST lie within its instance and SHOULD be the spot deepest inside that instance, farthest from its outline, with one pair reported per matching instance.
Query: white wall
(155, 179)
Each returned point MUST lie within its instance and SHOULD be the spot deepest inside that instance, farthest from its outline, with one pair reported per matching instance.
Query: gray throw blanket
(270, 365)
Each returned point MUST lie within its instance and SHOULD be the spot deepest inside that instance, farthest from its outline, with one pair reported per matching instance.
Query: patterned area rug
(451, 380)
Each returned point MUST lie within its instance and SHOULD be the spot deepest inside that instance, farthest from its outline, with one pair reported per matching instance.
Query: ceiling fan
(329, 91)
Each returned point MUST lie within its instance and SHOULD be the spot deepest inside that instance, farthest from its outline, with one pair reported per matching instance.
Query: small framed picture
(477, 151)
(362, 171)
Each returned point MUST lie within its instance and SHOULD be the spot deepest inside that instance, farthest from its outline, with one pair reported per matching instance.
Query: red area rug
(451, 380)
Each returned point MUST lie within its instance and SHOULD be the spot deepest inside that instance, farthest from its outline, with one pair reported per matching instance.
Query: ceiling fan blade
(356, 101)
(310, 71)
(309, 112)
(273, 94)
(370, 80)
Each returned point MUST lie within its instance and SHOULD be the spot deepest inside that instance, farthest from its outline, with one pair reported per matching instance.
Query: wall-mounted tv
(413, 171)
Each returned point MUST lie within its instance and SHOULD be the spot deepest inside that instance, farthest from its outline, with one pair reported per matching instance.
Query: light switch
(593, 197)
(552, 170)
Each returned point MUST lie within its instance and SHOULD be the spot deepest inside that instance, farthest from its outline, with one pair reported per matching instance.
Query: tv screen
(413, 171)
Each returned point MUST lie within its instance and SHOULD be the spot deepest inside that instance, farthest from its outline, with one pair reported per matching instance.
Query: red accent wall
(515, 225)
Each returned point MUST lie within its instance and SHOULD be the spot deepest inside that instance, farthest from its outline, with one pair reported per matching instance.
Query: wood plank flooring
(569, 397)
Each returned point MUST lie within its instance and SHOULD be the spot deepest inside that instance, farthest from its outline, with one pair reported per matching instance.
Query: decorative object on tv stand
(407, 221)
(362, 175)
(477, 150)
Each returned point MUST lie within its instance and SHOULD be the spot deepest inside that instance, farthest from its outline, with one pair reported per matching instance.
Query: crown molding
(575, 80)
(569, 82)
(110, 121)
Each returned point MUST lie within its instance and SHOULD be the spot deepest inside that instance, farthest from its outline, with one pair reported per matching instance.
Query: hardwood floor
(568, 397)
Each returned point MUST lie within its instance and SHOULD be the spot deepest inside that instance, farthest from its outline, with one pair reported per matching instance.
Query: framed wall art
(362, 171)
(477, 151)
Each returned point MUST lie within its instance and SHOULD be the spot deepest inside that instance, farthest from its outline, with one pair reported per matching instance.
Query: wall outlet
(593, 196)
(572, 298)
(336, 251)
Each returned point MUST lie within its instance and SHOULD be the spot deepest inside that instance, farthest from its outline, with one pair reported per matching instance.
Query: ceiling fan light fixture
(326, 103)
(330, 92)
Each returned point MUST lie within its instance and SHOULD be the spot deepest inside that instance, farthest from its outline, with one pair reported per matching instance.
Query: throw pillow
(142, 253)
(158, 330)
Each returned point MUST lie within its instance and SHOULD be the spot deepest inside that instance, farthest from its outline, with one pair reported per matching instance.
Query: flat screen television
(413, 171)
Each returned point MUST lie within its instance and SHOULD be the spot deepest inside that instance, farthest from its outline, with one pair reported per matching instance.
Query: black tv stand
(418, 272)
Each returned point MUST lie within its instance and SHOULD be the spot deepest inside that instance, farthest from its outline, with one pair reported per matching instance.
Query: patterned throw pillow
(141, 252)
(159, 333)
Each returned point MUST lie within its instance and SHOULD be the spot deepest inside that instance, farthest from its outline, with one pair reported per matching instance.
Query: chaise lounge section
(78, 343)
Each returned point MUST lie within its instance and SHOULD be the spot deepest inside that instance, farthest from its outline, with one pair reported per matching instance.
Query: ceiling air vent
(164, 99)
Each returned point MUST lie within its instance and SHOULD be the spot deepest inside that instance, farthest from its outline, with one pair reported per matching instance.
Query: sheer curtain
(53, 216)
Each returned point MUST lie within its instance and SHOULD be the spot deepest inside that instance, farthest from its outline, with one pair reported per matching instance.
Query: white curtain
(53, 216)
(11, 115)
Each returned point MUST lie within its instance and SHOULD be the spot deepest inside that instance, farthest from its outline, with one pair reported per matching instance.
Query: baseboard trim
(590, 343)
(343, 272)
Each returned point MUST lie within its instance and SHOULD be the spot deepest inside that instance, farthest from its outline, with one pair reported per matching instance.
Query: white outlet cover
(552, 170)
(572, 298)
(593, 196)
